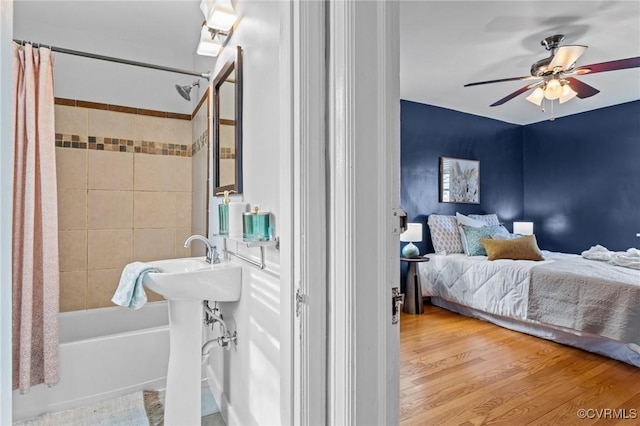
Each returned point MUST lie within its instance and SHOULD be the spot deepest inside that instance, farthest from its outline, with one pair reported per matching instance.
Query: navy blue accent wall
(582, 179)
(428, 133)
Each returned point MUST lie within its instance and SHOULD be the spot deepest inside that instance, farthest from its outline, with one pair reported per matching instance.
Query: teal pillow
(473, 235)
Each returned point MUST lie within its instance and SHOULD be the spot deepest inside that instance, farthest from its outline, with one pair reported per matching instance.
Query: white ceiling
(443, 45)
(446, 44)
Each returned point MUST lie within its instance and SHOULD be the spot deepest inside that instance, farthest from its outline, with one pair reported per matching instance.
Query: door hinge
(401, 225)
(397, 300)
(300, 299)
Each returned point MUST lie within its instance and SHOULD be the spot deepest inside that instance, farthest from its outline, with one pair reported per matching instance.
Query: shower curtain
(35, 276)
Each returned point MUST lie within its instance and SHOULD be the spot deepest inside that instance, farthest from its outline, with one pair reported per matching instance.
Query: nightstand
(413, 303)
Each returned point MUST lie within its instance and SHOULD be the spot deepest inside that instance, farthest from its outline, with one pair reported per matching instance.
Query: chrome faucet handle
(216, 255)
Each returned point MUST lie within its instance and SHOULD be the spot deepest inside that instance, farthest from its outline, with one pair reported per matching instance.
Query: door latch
(401, 226)
(397, 300)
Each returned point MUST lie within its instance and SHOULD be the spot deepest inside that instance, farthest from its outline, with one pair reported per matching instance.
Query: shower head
(185, 90)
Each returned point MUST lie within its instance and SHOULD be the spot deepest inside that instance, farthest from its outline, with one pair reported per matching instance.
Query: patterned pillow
(474, 235)
(444, 234)
(469, 221)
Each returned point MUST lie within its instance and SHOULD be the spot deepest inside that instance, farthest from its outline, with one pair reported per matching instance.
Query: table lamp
(413, 234)
(523, 228)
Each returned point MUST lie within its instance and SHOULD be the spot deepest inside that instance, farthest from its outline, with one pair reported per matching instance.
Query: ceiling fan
(554, 74)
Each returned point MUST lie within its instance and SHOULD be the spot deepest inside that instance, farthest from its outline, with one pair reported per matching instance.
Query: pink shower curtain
(36, 279)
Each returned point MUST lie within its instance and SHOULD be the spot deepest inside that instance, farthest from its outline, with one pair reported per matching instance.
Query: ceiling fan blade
(619, 64)
(583, 89)
(566, 56)
(512, 95)
(526, 77)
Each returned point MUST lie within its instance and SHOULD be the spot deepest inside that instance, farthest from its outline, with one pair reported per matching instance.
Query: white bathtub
(104, 353)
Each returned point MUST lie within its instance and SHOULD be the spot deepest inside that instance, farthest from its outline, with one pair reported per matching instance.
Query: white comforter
(499, 287)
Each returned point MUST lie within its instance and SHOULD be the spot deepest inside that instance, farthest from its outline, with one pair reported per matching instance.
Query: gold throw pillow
(523, 248)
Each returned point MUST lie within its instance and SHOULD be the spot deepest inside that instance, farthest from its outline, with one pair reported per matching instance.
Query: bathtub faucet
(209, 247)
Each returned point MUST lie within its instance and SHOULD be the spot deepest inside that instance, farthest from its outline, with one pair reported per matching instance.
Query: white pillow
(489, 219)
(444, 234)
(469, 221)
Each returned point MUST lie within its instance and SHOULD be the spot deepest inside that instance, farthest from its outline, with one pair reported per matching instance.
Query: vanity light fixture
(217, 28)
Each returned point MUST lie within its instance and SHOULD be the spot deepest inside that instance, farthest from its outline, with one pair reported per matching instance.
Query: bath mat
(126, 410)
(154, 407)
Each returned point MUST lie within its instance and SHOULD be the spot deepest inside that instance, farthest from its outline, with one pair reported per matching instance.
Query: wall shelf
(274, 242)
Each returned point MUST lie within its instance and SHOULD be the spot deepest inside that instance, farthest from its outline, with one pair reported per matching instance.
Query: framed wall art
(459, 180)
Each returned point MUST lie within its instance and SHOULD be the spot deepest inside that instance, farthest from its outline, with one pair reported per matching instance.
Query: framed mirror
(227, 127)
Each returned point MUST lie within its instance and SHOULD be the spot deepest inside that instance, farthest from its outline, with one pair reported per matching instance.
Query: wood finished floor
(456, 370)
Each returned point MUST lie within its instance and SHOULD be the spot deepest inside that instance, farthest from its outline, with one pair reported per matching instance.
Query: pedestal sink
(185, 283)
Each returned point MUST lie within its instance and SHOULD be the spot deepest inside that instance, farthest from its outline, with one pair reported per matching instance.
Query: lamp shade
(523, 228)
(536, 96)
(412, 234)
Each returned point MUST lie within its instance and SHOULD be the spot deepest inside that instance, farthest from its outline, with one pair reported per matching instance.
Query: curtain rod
(206, 75)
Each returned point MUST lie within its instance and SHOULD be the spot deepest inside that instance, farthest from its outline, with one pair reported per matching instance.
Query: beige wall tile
(101, 285)
(199, 172)
(198, 211)
(109, 249)
(71, 168)
(156, 129)
(152, 296)
(154, 244)
(72, 209)
(183, 166)
(110, 209)
(183, 209)
(181, 236)
(110, 170)
(73, 291)
(72, 249)
(111, 124)
(183, 132)
(71, 120)
(154, 210)
(154, 172)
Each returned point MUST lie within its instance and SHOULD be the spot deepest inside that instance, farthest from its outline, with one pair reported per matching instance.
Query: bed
(583, 303)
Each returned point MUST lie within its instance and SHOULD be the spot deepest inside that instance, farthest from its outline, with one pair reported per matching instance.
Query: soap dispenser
(256, 226)
(223, 213)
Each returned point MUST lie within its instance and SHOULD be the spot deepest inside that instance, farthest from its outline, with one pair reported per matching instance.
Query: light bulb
(553, 90)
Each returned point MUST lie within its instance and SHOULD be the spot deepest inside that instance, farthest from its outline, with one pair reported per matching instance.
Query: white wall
(251, 378)
(64, 24)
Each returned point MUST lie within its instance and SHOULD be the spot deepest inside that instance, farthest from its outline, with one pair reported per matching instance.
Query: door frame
(363, 188)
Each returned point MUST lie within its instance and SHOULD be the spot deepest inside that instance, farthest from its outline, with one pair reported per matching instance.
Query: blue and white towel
(130, 292)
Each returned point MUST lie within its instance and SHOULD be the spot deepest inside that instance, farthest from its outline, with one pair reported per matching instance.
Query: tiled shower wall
(124, 194)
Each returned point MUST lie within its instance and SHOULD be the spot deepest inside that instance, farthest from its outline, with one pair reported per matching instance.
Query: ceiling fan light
(536, 96)
(553, 90)
(567, 93)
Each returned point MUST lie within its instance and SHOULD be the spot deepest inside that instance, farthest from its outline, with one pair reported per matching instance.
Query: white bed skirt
(629, 353)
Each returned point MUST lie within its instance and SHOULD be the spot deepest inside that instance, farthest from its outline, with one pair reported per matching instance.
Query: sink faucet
(215, 256)
(210, 249)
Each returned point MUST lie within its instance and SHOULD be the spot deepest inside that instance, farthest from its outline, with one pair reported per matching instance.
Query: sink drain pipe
(212, 316)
